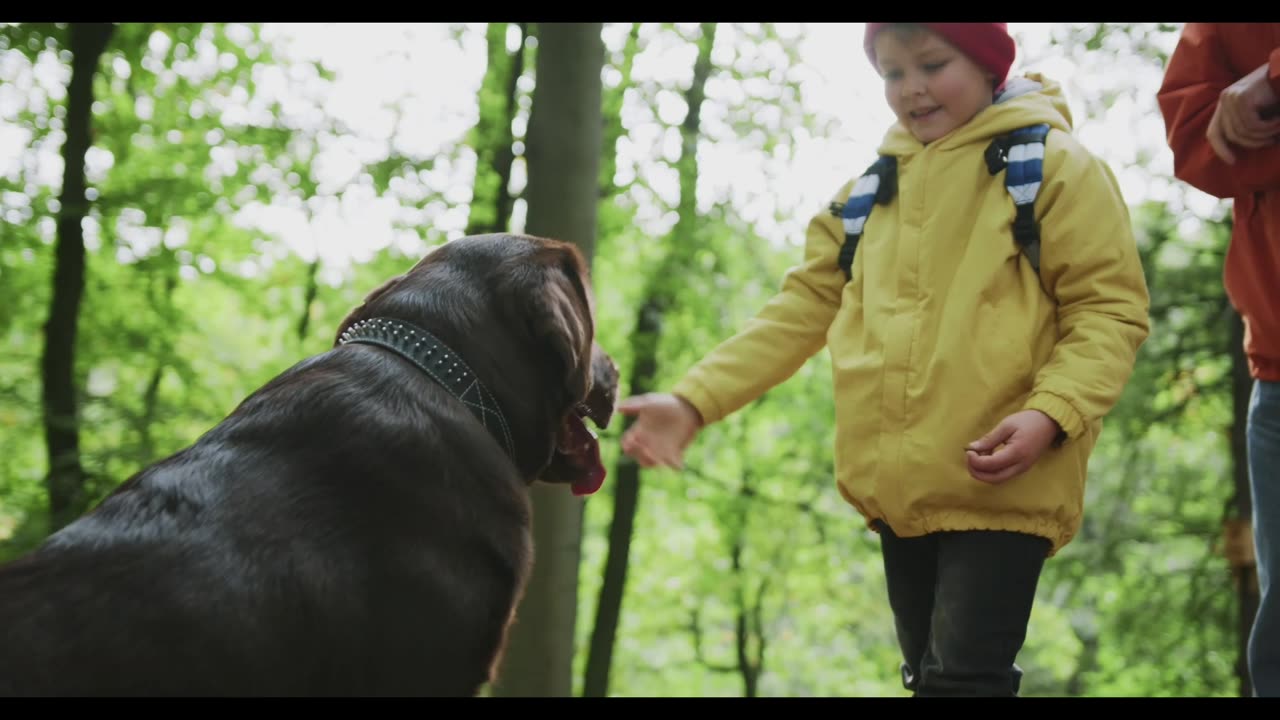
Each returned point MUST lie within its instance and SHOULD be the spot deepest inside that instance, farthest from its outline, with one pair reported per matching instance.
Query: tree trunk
(613, 99)
(659, 296)
(151, 397)
(491, 199)
(308, 297)
(1238, 521)
(563, 153)
(66, 478)
(749, 621)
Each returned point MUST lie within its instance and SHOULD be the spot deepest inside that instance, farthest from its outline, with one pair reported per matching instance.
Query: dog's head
(550, 288)
(520, 311)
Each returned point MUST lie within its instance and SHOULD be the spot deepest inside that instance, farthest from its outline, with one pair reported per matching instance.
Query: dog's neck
(440, 363)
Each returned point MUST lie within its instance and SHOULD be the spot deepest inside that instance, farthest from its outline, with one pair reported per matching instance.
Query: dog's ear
(363, 309)
(559, 310)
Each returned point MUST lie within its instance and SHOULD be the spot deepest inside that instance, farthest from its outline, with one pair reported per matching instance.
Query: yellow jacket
(944, 329)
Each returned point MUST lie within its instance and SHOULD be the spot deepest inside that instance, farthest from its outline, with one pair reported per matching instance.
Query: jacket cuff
(693, 393)
(1062, 412)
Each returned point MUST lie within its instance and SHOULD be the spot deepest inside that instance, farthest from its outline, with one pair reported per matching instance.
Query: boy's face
(931, 86)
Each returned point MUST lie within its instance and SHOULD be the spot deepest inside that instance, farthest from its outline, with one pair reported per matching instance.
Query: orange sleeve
(1196, 73)
(1273, 70)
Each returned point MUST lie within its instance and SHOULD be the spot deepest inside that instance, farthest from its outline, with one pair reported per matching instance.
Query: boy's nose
(913, 85)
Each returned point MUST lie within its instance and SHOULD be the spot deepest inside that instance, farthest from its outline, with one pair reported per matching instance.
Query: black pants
(961, 602)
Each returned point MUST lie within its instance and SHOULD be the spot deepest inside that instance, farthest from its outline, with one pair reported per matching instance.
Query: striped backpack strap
(876, 186)
(1021, 155)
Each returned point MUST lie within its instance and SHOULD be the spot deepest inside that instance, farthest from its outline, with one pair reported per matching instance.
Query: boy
(971, 377)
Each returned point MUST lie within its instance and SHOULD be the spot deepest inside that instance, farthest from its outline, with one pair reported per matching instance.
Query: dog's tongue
(585, 451)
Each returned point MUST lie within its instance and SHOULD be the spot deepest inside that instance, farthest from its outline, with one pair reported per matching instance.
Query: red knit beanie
(987, 44)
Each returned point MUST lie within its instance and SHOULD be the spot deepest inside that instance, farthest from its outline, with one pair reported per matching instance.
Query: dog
(359, 525)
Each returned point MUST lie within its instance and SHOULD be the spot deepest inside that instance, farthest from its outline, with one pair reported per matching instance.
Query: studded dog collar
(440, 363)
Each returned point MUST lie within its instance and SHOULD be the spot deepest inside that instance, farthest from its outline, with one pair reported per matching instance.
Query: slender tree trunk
(66, 478)
(491, 198)
(1244, 566)
(151, 398)
(563, 155)
(308, 299)
(660, 295)
(748, 616)
(748, 623)
(613, 99)
(506, 152)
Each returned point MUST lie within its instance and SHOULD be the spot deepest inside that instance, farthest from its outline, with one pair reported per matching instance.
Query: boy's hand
(1012, 447)
(664, 426)
(1240, 116)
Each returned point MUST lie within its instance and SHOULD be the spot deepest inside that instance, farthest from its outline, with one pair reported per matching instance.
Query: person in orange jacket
(1220, 99)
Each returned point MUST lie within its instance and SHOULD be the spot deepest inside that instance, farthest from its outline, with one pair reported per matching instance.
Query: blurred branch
(695, 629)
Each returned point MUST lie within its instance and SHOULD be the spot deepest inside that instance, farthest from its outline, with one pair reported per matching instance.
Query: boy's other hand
(1012, 447)
(664, 426)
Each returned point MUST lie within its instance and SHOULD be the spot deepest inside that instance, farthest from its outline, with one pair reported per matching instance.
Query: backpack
(1020, 153)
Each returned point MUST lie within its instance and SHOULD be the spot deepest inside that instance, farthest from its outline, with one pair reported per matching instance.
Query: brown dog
(357, 526)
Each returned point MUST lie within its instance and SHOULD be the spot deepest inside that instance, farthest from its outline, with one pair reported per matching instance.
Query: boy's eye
(935, 67)
(893, 75)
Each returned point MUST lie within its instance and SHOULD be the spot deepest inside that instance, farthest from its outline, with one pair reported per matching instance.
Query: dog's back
(307, 545)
